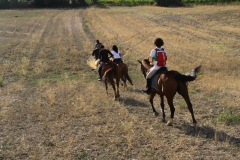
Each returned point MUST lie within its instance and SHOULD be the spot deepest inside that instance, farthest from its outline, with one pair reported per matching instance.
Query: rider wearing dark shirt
(103, 56)
(98, 43)
(95, 52)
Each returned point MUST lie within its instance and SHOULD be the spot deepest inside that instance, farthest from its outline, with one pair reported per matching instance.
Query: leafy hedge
(167, 3)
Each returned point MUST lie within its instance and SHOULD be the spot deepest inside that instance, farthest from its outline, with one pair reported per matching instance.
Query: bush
(4, 4)
(167, 3)
(229, 116)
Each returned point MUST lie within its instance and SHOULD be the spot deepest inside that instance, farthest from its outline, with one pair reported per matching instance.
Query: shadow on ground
(133, 102)
(209, 133)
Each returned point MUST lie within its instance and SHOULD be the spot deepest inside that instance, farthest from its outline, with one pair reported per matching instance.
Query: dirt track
(53, 107)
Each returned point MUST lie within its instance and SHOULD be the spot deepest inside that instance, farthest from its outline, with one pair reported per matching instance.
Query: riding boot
(148, 89)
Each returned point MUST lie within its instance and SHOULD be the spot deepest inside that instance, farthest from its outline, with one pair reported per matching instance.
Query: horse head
(145, 66)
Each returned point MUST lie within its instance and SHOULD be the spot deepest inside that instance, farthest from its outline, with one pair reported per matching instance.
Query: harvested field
(53, 107)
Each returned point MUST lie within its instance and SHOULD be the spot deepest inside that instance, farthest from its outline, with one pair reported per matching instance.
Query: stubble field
(53, 107)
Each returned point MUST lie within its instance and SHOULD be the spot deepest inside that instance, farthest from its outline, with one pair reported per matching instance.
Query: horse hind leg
(162, 107)
(172, 109)
(151, 101)
(123, 78)
(106, 86)
(117, 84)
(114, 89)
(183, 91)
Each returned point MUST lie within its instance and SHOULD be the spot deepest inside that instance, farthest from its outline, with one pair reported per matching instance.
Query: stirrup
(146, 91)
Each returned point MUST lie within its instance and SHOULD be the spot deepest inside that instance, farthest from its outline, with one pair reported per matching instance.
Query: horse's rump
(156, 76)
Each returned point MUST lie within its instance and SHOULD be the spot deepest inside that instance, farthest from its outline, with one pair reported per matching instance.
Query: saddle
(156, 76)
(110, 64)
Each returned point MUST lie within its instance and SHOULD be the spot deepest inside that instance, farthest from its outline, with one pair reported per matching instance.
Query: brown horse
(111, 71)
(123, 73)
(169, 83)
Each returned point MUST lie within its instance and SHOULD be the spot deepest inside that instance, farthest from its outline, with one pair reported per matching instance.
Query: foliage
(229, 116)
(167, 3)
(4, 4)
(126, 2)
(209, 1)
(60, 3)
(41, 3)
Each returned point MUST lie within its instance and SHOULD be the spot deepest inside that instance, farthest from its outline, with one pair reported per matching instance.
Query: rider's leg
(100, 71)
(149, 82)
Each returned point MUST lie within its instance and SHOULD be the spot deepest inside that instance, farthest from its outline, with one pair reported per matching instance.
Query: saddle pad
(155, 81)
(156, 76)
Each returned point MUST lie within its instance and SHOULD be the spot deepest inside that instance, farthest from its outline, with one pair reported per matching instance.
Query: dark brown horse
(111, 71)
(169, 83)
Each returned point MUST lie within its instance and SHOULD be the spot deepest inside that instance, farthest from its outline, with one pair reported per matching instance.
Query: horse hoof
(164, 121)
(194, 125)
(156, 114)
(170, 123)
(116, 99)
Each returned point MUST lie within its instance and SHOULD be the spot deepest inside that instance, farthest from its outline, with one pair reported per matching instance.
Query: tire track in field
(138, 38)
(48, 30)
(89, 34)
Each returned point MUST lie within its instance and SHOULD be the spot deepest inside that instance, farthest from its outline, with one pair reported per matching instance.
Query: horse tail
(125, 73)
(104, 77)
(187, 78)
(129, 79)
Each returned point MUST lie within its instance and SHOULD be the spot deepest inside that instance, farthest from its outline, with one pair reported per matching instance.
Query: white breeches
(151, 72)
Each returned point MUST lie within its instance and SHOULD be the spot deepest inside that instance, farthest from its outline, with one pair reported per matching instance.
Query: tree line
(8, 4)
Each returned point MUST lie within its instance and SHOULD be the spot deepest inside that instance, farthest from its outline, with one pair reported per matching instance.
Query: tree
(167, 3)
(4, 4)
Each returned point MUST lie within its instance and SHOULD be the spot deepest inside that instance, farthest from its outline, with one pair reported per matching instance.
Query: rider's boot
(148, 89)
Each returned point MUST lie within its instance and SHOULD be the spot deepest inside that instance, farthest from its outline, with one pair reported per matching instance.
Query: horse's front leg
(162, 106)
(151, 101)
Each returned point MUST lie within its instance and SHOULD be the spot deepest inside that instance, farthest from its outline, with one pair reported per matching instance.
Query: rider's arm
(151, 56)
(151, 59)
(111, 55)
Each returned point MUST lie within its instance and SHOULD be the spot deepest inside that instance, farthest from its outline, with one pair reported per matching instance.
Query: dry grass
(53, 107)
